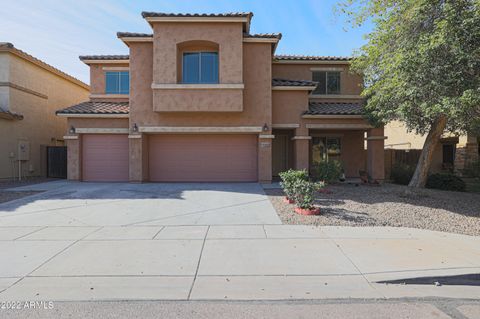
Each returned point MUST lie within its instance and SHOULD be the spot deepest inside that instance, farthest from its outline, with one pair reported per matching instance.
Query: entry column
(74, 153)
(376, 153)
(301, 145)
(265, 158)
(136, 164)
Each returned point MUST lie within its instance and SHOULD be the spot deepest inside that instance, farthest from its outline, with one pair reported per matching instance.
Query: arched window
(198, 62)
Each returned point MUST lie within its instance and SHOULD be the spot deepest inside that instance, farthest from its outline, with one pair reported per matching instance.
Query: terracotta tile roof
(134, 35)
(6, 45)
(104, 57)
(310, 58)
(263, 35)
(8, 115)
(146, 14)
(285, 82)
(334, 108)
(91, 107)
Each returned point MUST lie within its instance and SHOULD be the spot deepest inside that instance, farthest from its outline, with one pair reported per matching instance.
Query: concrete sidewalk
(250, 262)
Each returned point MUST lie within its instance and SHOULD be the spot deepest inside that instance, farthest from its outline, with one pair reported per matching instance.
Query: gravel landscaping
(387, 205)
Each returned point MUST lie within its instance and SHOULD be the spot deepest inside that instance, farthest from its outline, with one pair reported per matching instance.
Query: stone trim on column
(265, 158)
(135, 158)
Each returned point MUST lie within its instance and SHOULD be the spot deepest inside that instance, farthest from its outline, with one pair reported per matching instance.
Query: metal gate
(57, 161)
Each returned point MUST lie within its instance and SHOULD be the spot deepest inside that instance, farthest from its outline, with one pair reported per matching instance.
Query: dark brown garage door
(105, 157)
(203, 158)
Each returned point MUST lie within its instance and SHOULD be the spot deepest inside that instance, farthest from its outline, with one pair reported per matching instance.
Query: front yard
(387, 205)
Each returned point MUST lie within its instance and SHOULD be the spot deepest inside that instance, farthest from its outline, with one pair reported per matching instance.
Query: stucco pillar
(301, 153)
(265, 158)
(73, 157)
(376, 153)
(135, 165)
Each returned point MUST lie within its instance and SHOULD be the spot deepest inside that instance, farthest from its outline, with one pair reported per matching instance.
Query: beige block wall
(40, 125)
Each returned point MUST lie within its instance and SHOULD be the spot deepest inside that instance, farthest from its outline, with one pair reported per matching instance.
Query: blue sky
(58, 31)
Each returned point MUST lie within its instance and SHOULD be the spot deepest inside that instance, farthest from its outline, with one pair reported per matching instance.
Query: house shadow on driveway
(140, 204)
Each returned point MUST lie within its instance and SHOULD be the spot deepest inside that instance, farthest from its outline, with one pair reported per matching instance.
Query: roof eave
(333, 116)
(94, 115)
(293, 88)
(346, 62)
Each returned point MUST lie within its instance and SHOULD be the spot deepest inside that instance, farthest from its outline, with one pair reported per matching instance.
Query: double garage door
(174, 158)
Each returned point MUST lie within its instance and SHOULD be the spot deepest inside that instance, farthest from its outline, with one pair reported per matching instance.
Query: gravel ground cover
(388, 205)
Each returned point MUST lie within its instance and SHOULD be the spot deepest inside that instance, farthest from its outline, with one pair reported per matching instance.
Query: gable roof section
(263, 35)
(286, 82)
(244, 17)
(8, 115)
(116, 58)
(334, 108)
(9, 47)
(149, 14)
(97, 108)
(134, 35)
(310, 59)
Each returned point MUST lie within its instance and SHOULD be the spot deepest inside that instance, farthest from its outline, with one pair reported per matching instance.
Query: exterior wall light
(265, 127)
(72, 130)
(135, 127)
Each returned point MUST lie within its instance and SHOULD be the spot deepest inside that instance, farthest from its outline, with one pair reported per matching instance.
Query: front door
(324, 149)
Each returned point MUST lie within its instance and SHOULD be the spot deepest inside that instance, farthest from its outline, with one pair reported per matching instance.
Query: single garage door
(105, 157)
(203, 158)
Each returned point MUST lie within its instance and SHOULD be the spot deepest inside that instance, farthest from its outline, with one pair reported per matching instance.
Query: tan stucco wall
(349, 83)
(255, 74)
(166, 37)
(97, 123)
(97, 76)
(257, 93)
(40, 124)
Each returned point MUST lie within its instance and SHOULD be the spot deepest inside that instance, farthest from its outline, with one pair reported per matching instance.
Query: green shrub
(289, 178)
(304, 193)
(402, 174)
(447, 182)
(329, 170)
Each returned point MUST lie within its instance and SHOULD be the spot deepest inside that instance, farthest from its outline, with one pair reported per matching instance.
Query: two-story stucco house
(202, 99)
(30, 93)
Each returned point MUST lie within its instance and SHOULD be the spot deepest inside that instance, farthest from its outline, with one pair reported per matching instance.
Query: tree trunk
(420, 176)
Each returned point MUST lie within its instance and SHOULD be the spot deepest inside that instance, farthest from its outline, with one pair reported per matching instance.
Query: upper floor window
(200, 67)
(117, 82)
(328, 82)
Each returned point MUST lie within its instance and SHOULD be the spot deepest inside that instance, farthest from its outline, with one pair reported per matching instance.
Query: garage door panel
(105, 158)
(203, 158)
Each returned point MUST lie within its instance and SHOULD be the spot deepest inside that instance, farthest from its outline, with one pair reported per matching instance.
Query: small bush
(447, 182)
(304, 193)
(402, 174)
(329, 171)
(289, 178)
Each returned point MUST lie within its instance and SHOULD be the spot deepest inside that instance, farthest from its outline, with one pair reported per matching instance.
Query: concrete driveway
(122, 204)
(103, 242)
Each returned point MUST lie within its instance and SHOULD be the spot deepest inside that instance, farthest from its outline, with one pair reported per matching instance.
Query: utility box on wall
(23, 150)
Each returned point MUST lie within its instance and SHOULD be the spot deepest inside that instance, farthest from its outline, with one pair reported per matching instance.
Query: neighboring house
(453, 154)
(202, 99)
(30, 93)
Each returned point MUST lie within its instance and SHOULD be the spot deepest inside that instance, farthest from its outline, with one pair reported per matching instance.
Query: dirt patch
(388, 205)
